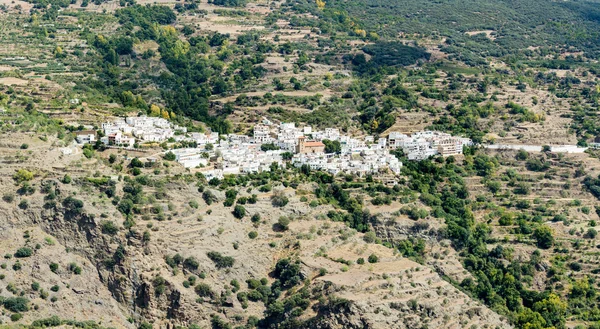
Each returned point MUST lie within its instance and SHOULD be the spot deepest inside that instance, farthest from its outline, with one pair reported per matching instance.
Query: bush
(220, 260)
(203, 290)
(279, 199)
(255, 218)
(8, 197)
(24, 252)
(16, 317)
(370, 237)
(72, 205)
(252, 235)
(209, 197)
(191, 263)
(16, 304)
(24, 204)
(23, 175)
(73, 267)
(108, 227)
(54, 267)
(239, 212)
(170, 156)
(283, 222)
(288, 272)
(373, 259)
(88, 153)
(543, 236)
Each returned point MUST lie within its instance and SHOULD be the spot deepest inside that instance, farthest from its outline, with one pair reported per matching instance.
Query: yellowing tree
(23, 175)
(172, 114)
(58, 51)
(164, 114)
(374, 124)
(169, 31)
(362, 33)
(181, 48)
(320, 4)
(154, 110)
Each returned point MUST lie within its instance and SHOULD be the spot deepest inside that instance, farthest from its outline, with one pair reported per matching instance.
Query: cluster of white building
(238, 154)
(124, 132)
(422, 145)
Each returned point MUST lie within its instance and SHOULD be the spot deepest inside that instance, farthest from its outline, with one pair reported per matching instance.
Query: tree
(332, 146)
(269, 147)
(239, 212)
(16, 304)
(23, 175)
(170, 156)
(543, 236)
(288, 272)
(108, 227)
(24, 252)
(220, 260)
(553, 310)
(203, 290)
(522, 155)
(373, 258)
(136, 163)
(278, 199)
(191, 263)
(209, 197)
(283, 222)
(154, 110)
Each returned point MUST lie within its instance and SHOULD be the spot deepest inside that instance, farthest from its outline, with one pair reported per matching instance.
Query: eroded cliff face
(47, 278)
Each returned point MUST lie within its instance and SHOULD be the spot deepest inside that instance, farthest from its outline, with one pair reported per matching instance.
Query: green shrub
(194, 204)
(191, 263)
(24, 252)
(16, 304)
(283, 222)
(278, 199)
(73, 267)
(220, 260)
(203, 290)
(373, 258)
(209, 197)
(239, 211)
(108, 227)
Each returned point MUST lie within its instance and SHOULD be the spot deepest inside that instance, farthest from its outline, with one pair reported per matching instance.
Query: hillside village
(327, 150)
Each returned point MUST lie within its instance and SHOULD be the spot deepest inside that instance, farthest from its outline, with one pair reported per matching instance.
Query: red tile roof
(313, 144)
